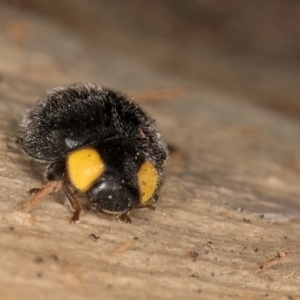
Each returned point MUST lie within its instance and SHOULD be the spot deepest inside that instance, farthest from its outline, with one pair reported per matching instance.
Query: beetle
(98, 142)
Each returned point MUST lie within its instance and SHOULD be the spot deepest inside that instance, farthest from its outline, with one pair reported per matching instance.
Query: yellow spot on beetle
(147, 181)
(85, 166)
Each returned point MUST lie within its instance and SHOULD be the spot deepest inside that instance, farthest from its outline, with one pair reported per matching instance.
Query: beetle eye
(112, 195)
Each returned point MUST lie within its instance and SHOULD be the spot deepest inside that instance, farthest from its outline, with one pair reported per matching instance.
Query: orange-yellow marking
(147, 178)
(84, 166)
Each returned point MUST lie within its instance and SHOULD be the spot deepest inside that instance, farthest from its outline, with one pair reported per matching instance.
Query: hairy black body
(86, 116)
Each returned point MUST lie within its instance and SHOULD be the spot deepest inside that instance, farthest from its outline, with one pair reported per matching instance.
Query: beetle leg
(151, 205)
(124, 218)
(72, 199)
(147, 206)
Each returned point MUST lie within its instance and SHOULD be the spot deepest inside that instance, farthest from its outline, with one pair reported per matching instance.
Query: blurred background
(250, 48)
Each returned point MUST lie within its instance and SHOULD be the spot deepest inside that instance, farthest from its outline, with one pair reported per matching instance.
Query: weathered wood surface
(206, 240)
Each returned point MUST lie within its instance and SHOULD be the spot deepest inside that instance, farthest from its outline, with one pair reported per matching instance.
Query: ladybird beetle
(98, 142)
